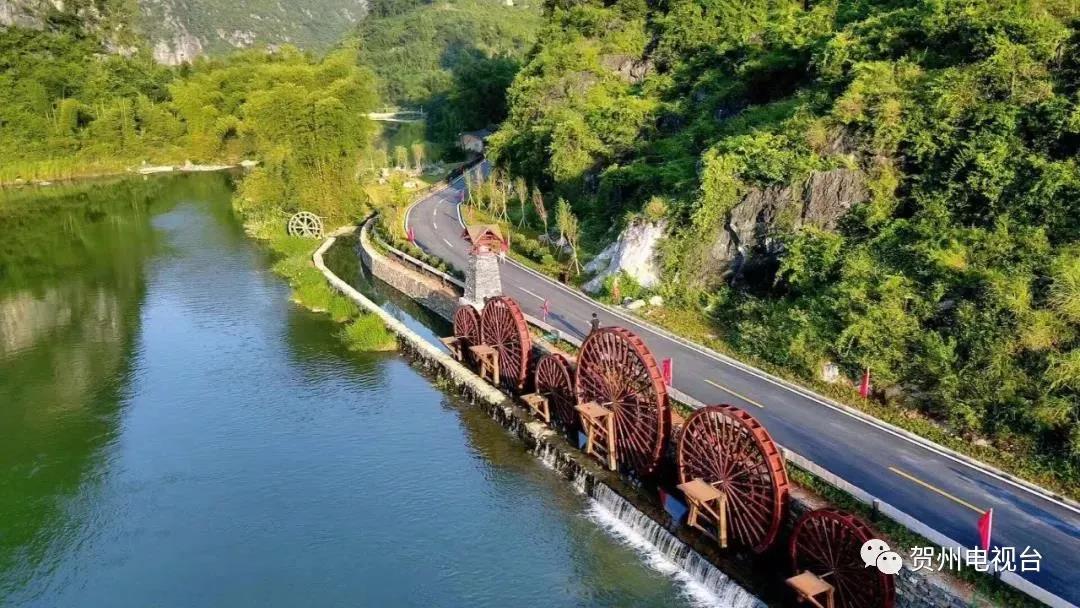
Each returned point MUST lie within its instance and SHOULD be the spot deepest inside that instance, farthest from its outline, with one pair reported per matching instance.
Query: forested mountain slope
(454, 58)
(884, 184)
(181, 30)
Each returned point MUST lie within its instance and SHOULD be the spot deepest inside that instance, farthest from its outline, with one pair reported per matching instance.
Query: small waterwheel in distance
(306, 224)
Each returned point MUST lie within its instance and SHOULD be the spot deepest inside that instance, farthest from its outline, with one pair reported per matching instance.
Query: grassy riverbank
(361, 331)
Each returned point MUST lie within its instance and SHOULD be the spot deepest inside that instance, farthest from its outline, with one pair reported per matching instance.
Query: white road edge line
(807, 395)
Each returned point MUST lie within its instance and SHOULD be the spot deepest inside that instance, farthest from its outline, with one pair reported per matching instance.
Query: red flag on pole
(985, 523)
(545, 308)
(665, 366)
(864, 386)
(411, 235)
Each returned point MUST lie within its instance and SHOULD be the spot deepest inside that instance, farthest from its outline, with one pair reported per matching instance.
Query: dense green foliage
(455, 59)
(64, 100)
(57, 99)
(957, 281)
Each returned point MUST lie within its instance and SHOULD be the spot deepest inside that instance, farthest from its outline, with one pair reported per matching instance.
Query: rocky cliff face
(181, 30)
(33, 13)
(178, 31)
(751, 225)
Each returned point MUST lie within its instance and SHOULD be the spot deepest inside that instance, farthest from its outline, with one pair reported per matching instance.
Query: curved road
(933, 487)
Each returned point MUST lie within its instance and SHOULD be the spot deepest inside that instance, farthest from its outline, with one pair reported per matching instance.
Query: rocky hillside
(892, 184)
(180, 30)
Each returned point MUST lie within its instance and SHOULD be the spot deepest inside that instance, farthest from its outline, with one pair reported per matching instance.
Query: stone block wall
(431, 292)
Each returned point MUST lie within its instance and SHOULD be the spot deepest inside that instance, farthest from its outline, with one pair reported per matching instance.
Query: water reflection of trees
(71, 288)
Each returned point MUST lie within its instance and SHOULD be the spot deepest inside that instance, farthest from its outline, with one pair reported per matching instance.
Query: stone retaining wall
(432, 293)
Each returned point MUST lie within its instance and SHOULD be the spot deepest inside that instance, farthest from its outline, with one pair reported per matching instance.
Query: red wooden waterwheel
(503, 327)
(616, 370)
(467, 325)
(554, 381)
(729, 449)
(827, 542)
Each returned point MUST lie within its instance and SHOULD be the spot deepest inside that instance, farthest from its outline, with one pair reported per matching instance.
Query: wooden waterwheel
(503, 327)
(616, 371)
(554, 381)
(467, 324)
(466, 331)
(730, 451)
(827, 542)
(306, 224)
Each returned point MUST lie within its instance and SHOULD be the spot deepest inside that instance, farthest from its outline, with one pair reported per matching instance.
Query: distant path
(943, 491)
(399, 116)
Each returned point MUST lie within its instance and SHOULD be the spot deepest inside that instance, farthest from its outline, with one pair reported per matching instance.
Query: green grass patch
(368, 334)
(363, 332)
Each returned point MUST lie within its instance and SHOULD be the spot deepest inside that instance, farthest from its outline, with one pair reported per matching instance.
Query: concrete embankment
(439, 292)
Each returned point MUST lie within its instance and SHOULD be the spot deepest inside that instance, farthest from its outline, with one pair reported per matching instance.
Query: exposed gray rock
(828, 195)
(630, 69)
(635, 305)
(820, 201)
(656, 301)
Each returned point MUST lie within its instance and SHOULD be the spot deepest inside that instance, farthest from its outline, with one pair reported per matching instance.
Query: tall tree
(521, 191)
(538, 205)
(568, 230)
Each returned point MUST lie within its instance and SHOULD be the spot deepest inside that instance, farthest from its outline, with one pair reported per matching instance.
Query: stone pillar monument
(482, 279)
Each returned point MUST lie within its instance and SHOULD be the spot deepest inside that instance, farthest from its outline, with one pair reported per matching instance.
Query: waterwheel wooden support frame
(616, 371)
(466, 333)
(732, 470)
(503, 328)
(826, 543)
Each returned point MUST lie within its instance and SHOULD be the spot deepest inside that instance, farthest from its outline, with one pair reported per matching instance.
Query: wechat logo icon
(876, 553)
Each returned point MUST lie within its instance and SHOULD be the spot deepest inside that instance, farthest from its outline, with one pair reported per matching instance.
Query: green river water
(174, 432)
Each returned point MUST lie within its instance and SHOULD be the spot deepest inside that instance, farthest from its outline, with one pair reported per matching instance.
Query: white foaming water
(579, 481)
(703, 584)
(547, 456)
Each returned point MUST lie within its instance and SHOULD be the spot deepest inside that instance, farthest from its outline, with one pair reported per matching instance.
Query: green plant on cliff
(954, 279)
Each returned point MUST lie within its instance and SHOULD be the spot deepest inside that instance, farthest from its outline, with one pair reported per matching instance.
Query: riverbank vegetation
(72, 105)
(950, 269)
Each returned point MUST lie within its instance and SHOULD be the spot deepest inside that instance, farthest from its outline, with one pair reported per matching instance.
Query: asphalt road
(945, 493)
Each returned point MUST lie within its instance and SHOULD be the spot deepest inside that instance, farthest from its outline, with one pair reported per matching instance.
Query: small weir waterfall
(703, 582)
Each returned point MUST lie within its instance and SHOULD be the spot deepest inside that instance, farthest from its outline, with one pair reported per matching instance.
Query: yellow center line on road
(922, 483)
(728, 390)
